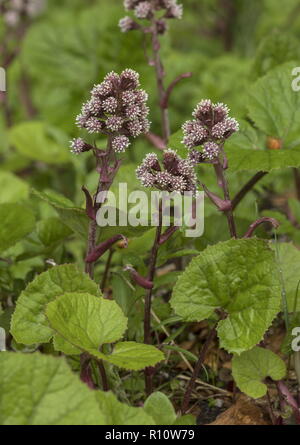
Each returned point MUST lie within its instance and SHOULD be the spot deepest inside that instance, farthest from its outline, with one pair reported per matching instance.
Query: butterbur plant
(130, 320)
(177, 175)
(117, 109)
(209, 130)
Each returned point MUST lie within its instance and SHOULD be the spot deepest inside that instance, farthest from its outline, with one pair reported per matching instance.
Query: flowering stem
(186, 399)
(159, 70)
(89, 267)
(105, 181)
(147, 313)
(222, 181)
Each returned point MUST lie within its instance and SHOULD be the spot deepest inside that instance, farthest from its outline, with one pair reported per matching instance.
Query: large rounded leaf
(240, 278)
(88, 322)
(29, 324)
(39, 389)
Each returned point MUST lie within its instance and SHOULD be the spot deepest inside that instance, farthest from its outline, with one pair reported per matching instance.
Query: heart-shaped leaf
(87, 322)
(29, 324)
(239, 277)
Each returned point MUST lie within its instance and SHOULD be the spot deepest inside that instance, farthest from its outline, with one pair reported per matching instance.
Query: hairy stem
(89, 267)
(106, 178)
(247, 188)
(197, 369)
(148, 299)
(222, 181)
(159, 71)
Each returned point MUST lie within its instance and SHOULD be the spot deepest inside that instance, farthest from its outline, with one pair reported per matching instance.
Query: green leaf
(289, 258)
(252, 367)
(73, 217)
(39, 389)
(239, 277)
(275, 110)
(275, 107)
(247, 150)
(88, 322)
(12, 188)
(117, 413)
(38, 142)
(17, 221)
(159, 407)
(29, 324)
(60, 344)
(135, 356)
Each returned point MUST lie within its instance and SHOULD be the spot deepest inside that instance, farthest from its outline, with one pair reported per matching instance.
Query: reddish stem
(258, 222)
(148, 300)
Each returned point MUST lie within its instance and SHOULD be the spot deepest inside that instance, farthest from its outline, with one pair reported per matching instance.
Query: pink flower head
(210, 128)
(117, 108)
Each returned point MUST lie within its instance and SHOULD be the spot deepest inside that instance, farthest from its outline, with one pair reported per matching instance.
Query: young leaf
(159, 407)
(135, 356)
(87, 322)
(117, 413)
(38, 389)
(29, 324)
(17, 221)
(239, 277)
(252, 367)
